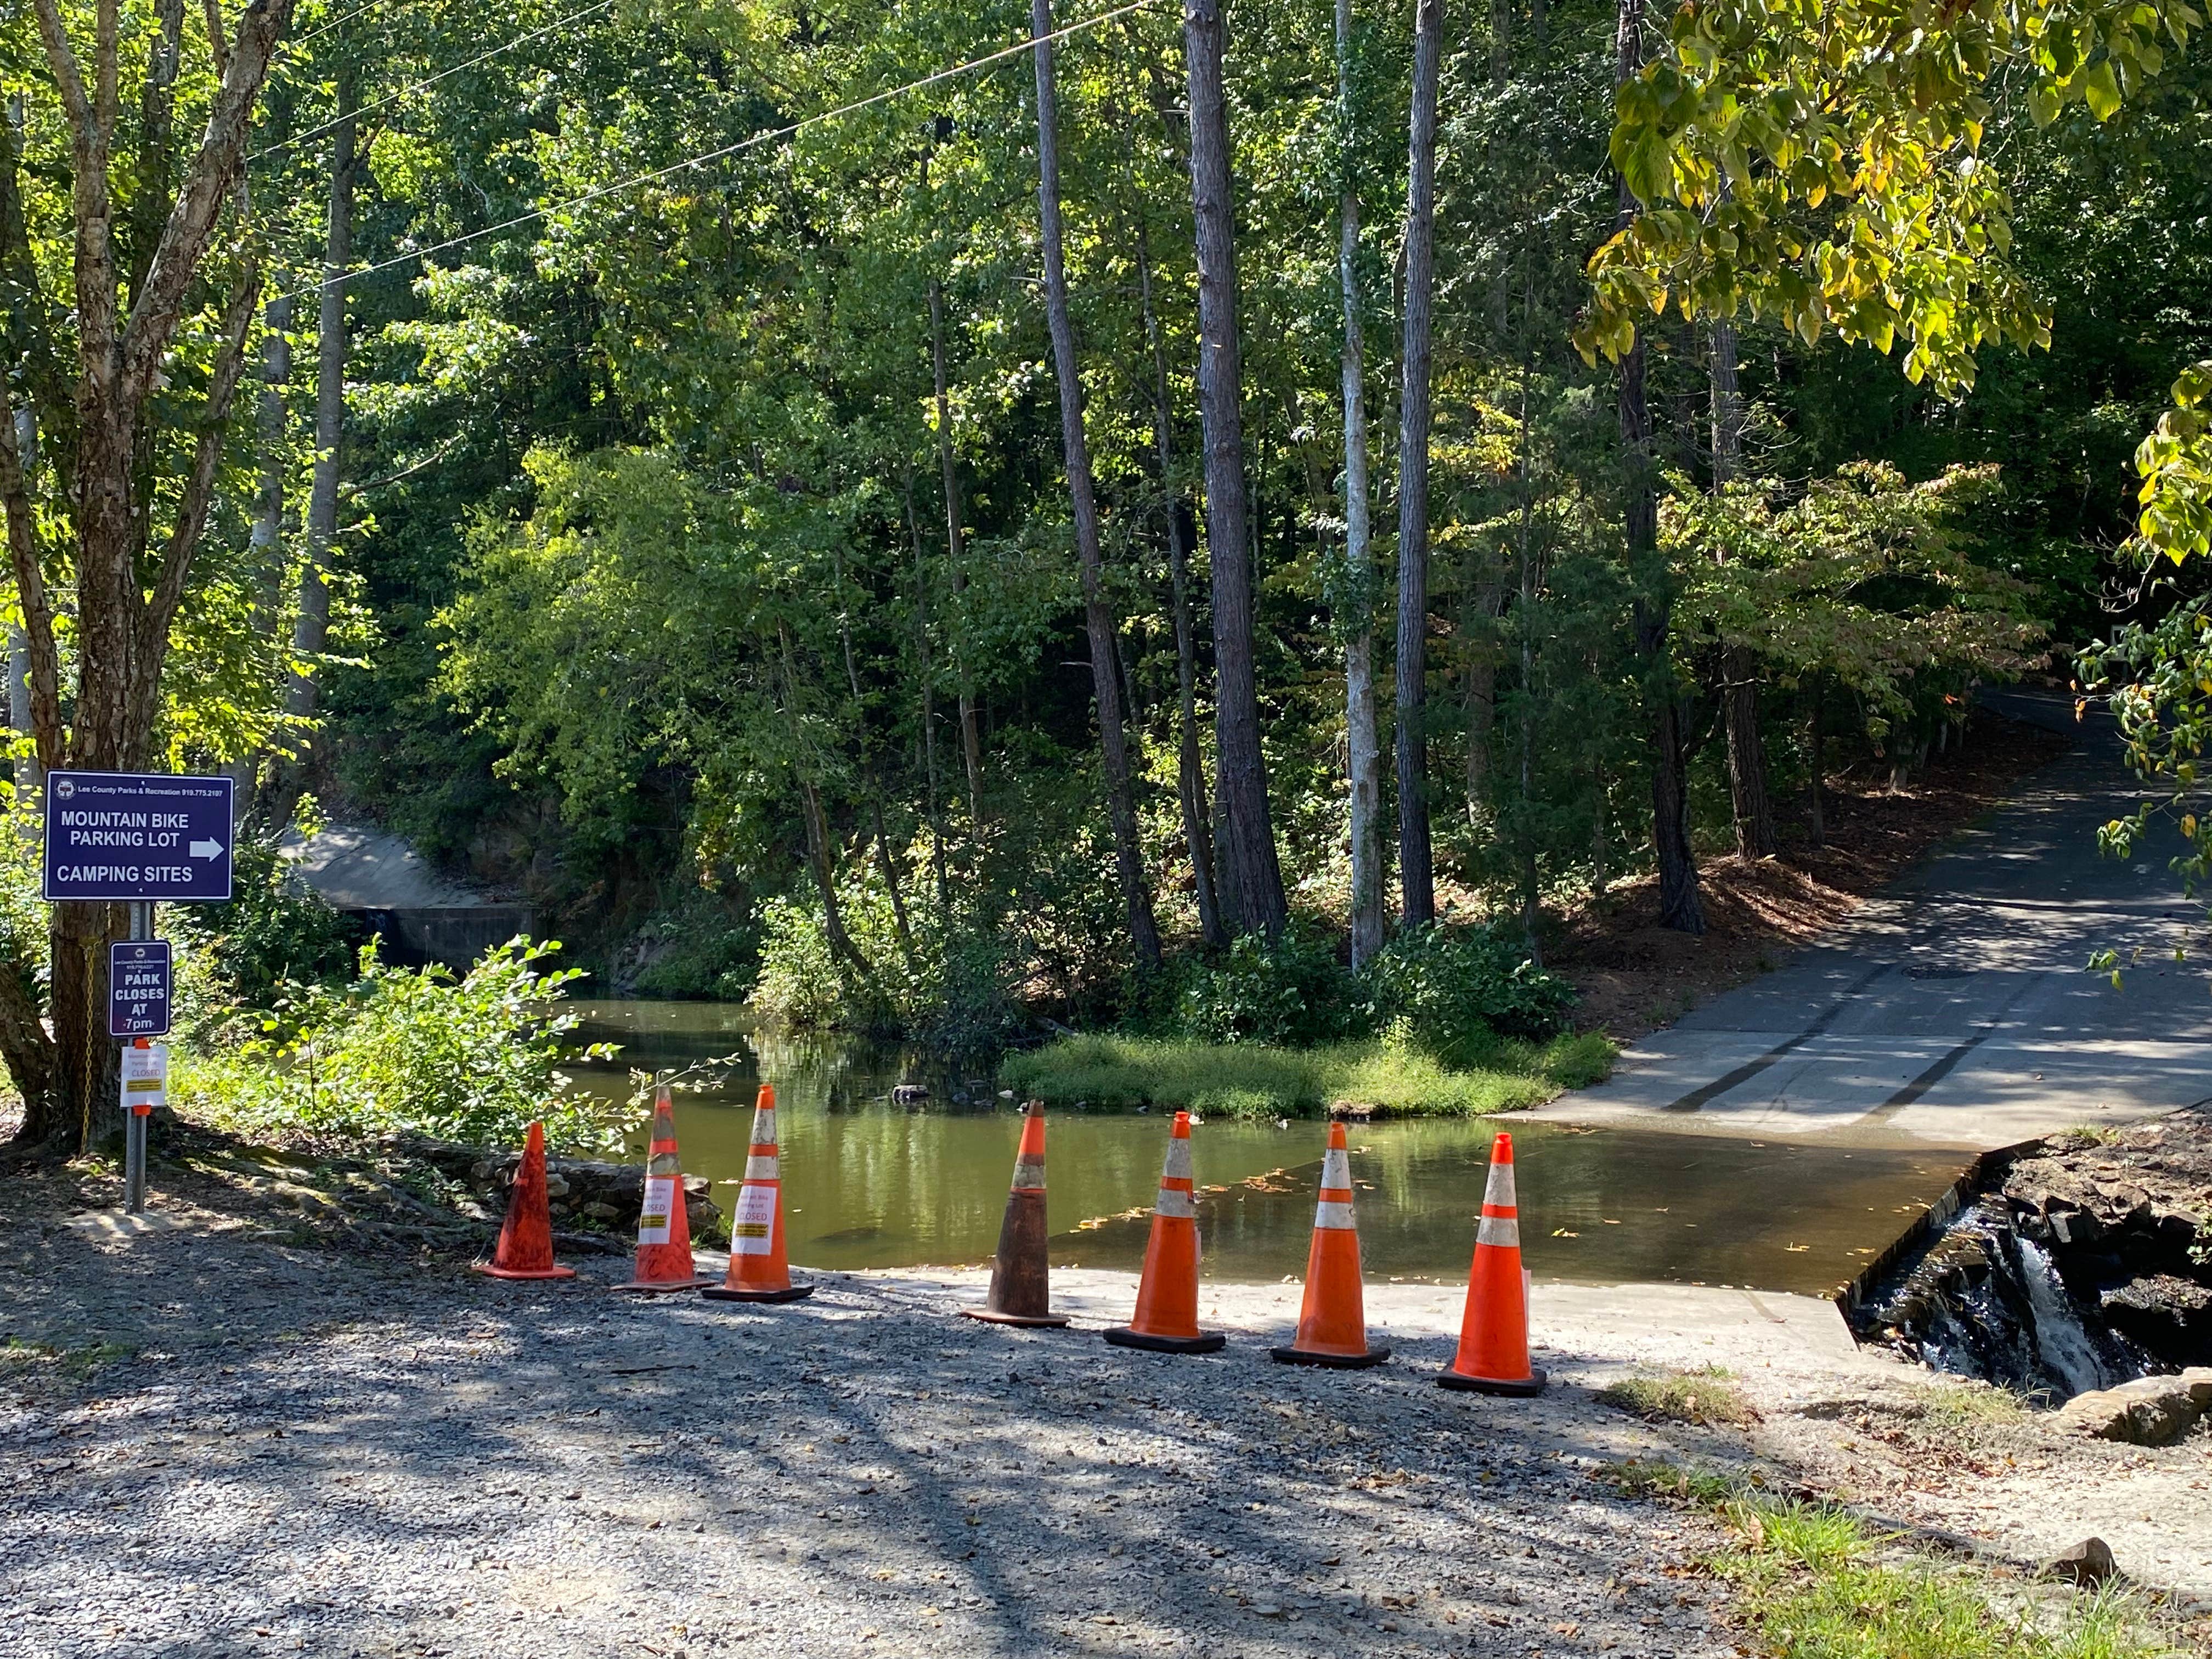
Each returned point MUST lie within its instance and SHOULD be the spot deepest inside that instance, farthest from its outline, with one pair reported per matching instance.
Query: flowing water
(870, 1184)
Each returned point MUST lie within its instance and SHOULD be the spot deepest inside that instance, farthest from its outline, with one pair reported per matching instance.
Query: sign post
(137, 838)
(145, 1085)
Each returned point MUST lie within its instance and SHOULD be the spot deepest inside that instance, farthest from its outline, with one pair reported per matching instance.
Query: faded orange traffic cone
(1021, 1277)
(758, 1270)
(1332, 1323)
(664, 1236)
(1166, 1319)
(525, 1239)
(1494, 1334)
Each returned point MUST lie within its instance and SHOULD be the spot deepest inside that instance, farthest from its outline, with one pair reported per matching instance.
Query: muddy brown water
(870, 1184)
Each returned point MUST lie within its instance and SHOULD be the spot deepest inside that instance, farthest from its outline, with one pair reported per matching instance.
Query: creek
(868, 1183)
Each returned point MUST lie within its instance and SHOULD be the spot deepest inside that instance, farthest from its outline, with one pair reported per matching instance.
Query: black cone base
(1036, 1322)
(1520, 1389)
(1335, 1362)
(1205, 1342)
(724, 1293)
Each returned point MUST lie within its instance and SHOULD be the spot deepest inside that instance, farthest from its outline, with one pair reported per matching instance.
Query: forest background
(1226, 527)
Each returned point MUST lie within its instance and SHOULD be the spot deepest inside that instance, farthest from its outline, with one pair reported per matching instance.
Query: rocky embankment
(586, 1196)
(2085, 1266)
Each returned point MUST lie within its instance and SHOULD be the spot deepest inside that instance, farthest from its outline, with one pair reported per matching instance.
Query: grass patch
(1960, 1407)
(2090, 1135)
(1253, 1079)
(20, 1359)
(1817, 1583)
(1813, 1582)
(1704, 1397)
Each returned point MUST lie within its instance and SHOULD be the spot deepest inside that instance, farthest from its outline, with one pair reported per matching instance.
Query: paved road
(1956, 1007)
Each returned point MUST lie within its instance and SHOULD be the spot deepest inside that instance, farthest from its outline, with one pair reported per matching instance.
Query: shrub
(273, 932)
(471, 1060)
(1288, 991)
(944, 985)
(1455, 989)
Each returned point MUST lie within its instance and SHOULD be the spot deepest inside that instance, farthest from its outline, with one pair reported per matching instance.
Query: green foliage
(1453, 990)
(2176, 463)
(1287, 992)
(471, 1060)
(1831, 175)
(2157, 680)
(1256, 1079)
(273, 933)
(1863, 580)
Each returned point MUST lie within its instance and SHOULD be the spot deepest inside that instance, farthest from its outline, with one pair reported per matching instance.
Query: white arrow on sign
(207, 849)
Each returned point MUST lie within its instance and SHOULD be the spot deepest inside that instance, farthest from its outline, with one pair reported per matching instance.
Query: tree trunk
(124, 410)
(1678, 908)
(1097, 621)
(311, 628)
(1416, 868)
(928, 710)
(868, 779)
(1818, 755)
(956, 543)
(265, 541)
(1751, 808)
(30, 778)
(1356, 617)
(1252, 881)
(1484, 592)
(1190, 771)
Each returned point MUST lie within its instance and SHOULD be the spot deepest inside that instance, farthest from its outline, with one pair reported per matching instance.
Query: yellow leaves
(2100, 90)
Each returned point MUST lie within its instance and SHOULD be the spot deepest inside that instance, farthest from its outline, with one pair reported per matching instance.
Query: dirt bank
(1635, 975)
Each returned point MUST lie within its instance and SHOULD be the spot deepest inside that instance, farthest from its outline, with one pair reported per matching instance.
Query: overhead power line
(727, 150)
(338, 22)
(432, 81)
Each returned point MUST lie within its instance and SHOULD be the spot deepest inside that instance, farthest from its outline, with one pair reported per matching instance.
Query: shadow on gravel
(551, 1470)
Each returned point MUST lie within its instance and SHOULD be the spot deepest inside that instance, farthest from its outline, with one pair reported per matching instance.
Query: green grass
(19, 1358)
(1812, 1582)
(1111, 1073)
(1702, 1397)
(1817, 1583)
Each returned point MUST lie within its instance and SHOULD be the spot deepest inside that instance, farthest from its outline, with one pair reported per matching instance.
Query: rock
(2147, 1412)
(601, 1212)
(2167, 1315)
(2197, 1379)
(555, 1186)
(2088, 1565)
(910, 1094)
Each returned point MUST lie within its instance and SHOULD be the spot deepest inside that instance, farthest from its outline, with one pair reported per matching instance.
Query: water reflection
(870, 1184)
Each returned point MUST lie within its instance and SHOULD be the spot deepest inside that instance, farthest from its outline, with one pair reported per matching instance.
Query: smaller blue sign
(139, 986)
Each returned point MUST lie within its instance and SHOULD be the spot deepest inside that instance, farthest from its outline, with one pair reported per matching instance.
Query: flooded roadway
(868, 1184)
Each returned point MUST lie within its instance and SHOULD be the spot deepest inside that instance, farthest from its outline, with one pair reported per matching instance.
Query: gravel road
(312, 1453)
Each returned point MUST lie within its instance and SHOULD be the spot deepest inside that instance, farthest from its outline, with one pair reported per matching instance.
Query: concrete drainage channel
(2074, 1269)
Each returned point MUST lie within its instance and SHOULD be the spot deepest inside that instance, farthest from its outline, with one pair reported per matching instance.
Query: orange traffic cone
(525, 1241)
(1493, 1335)
(758, 1270)
(1021, 1277)
(1333, 1324)
(1167, 1296)
(664, 1236)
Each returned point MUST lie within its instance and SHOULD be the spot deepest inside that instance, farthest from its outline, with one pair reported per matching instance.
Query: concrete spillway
(417, 915)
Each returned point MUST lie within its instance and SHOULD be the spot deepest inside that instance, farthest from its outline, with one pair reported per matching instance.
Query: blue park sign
(139, 988)
(138, 835)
